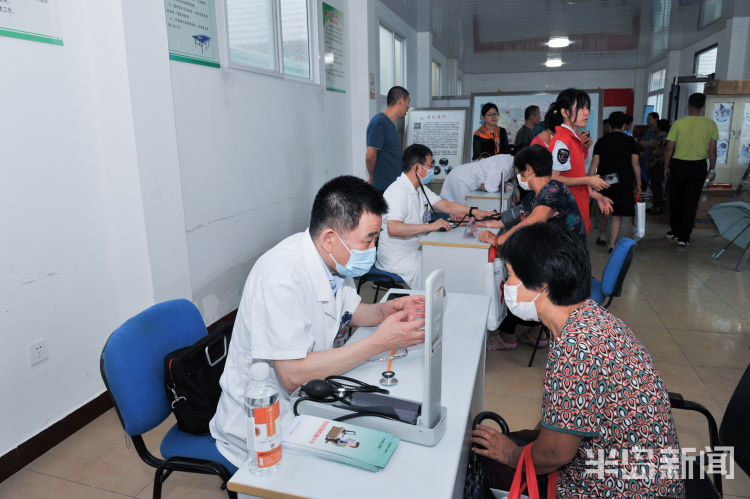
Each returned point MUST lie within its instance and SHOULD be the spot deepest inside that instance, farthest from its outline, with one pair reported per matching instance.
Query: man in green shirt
(691, 140)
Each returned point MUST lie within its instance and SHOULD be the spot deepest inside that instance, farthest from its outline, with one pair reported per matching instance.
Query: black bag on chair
(475, 486)
(191, 378)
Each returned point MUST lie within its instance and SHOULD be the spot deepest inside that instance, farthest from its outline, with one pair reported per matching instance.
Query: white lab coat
(466, 178)
(287, 310)
(403, 255)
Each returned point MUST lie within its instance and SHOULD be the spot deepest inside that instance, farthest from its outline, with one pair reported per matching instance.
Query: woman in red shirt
(569, 150)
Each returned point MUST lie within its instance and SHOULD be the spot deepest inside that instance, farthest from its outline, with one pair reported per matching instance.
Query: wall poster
(35, 20)
(191, 29)
(333, 42)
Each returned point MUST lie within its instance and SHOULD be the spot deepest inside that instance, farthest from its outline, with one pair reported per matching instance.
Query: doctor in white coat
(300, 302)
(485, 174)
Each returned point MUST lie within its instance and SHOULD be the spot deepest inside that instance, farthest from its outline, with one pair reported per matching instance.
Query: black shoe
(671, 235)
(610, 250)
(601, 242)
(683, 243)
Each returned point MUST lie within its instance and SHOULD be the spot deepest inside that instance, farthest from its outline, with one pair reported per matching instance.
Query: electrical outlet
(38, 352)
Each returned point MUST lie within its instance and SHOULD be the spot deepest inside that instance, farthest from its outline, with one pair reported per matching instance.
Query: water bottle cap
(259, 371)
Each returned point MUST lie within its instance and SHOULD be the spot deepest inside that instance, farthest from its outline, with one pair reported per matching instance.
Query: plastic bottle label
(267, 436)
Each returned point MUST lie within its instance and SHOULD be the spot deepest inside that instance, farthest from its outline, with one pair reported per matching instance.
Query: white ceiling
(509, 36)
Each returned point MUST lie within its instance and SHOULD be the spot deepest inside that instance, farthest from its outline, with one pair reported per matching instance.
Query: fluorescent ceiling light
(559, 42)
(555, 62)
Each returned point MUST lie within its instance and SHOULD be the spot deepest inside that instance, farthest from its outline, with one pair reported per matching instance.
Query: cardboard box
(727, 87)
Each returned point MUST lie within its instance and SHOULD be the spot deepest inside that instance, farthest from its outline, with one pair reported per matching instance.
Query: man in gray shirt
(525, 134)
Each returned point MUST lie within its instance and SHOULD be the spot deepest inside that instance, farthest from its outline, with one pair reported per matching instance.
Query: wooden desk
(414, 471)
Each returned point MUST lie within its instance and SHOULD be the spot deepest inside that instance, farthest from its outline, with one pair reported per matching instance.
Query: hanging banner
(191, 29)
(35, 20)
(333, 41)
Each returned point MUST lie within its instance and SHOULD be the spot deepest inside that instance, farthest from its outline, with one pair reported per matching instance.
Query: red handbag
(525, 463)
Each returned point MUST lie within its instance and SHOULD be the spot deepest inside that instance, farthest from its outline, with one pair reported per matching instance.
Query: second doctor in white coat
(485, 174)
(300, 302)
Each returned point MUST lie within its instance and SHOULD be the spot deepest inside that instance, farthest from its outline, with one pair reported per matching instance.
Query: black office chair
(381, 279)
(732, 433)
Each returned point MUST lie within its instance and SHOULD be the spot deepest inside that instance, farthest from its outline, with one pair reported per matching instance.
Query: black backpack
(191, 377)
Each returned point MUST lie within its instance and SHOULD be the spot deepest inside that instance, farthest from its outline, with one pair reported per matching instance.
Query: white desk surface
(455, 238)
(483, 195)
(414, 470)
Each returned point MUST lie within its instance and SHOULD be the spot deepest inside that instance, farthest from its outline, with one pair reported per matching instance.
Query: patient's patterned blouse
(601, 384)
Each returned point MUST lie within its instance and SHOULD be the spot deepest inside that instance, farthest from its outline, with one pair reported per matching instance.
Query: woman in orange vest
(490, 138)
(569, 147)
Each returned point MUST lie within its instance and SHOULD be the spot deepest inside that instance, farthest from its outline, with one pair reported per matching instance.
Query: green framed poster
(333, 47)
(35, 20)
(191, 29)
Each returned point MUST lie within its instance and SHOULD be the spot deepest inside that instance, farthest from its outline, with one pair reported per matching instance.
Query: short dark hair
(395, 94)
(340, 203)
(664, 125)
(415, 153)
(547, 253)
(617, 119)
(654, 115)
(489, 106)
(572, 97)
(697, 100)
(529, 111)
(553, 118)
(537, 157)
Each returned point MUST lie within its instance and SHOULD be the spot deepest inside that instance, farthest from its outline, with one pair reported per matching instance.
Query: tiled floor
(690, 311)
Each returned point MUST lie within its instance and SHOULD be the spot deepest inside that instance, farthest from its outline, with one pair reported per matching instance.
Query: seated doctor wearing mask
(411, 206)
(485, 174)
(300, 302)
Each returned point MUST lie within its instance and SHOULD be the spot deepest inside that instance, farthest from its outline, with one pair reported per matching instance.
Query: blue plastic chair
(381, 279)
(132, 366)
(614, 273)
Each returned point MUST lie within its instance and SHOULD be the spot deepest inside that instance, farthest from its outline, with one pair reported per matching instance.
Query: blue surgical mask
(429, 177)
(359, 263)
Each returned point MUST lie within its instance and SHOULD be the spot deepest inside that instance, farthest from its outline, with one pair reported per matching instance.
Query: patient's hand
(497, 446)
(487, 236)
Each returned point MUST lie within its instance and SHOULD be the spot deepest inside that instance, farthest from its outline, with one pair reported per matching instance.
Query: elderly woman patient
(606, 423)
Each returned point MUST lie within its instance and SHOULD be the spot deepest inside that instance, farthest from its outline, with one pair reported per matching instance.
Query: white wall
(75, 255)
(548, 80)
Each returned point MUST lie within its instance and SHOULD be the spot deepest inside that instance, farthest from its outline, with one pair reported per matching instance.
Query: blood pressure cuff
(404, 410)
(511, 216)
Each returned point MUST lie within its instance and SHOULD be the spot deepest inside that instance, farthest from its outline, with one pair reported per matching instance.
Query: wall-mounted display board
(442, 130)
(35, 20)
(511, 106)
(191, 29)
(333, 43)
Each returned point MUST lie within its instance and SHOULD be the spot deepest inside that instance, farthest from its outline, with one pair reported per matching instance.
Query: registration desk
(464, 261)
(413, 470)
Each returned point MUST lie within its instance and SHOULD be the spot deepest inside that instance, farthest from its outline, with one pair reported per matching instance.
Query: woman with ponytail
(569, 149)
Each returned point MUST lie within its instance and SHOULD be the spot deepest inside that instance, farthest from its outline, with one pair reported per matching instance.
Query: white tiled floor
(692, 313)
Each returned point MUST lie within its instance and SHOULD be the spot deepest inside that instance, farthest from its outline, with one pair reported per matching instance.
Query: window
(459, 86)
(656, 89)
(705, 61)
(436, 79)
(710, 11)
(391, 60)
(272, 37)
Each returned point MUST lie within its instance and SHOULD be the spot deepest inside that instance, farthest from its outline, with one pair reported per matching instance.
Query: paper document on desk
(341, 442)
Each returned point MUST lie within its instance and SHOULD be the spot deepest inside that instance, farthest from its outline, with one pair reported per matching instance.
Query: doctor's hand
(396, 331)
(498, 447)
(412, 304)
(438, 224)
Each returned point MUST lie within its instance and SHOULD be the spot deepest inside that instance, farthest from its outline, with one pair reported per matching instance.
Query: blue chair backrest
(132, 362)
(617, 266)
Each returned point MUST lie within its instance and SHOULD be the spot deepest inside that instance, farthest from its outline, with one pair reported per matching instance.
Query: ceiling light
(555, 62)
(559, 42)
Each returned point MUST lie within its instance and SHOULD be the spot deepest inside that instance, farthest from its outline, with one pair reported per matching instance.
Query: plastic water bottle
(263, 429)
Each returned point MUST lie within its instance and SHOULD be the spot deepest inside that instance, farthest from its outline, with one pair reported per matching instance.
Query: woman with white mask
(550, 201)
(602, 393)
